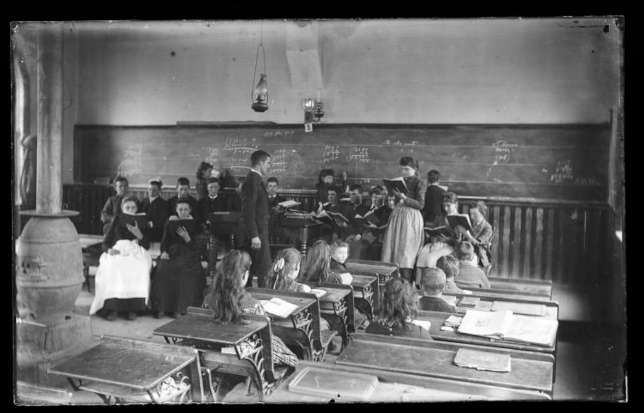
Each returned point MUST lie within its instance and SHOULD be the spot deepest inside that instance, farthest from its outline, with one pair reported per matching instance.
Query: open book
(482, 360)
(505, 325)
(397, 184)
(460, 219)
(289, 204)
(173, 226)
(441, 231)
(278, 307)
(331, 218)
(139, 219)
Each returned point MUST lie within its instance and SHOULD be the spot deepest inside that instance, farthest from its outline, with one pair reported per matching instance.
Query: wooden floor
(588, 360)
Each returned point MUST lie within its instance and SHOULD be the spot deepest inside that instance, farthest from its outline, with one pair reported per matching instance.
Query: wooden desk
(302, 223)
(494, 294)
(383, 270)
(251, 341)
(396, 387)
(336, 306)
(551, 307)
(304, 330)
(437, 319)
(365, 289)
(529, 371)
(532, 287)
(129, 370)
(226, 223)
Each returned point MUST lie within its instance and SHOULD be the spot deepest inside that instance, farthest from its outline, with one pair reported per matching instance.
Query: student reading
(123, 275)
(404, 236)
(230, 300)
(256, 215)
(178, 281)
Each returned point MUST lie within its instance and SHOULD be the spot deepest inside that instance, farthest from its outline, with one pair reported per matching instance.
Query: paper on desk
(485, 323)
(535, 330)
(346, 278)
(278, 307)
(422, 324)
(318, 293)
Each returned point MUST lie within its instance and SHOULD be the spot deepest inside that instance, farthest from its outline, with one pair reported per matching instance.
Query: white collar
(213, 197)
(153, 198)
(256, 171)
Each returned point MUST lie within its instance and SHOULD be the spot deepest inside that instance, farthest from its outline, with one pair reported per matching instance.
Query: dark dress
(387, 328)
(256, 216)
(178, 282)
(433, 204)
(114, 233)
(158, 213)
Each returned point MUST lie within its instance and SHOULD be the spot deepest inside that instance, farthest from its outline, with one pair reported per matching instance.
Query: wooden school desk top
(131, 363)
(333, 295)
(536, 287)
(506, 294)
(437, 318)
(529, 371)
(206, 329)
(362, 281)
(551, 307)
(301, 302)
(384, 392)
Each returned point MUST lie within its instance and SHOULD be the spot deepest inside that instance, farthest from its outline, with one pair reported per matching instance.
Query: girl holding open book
(178, 281)
(229, 300)
(123, 275)
(404, 236)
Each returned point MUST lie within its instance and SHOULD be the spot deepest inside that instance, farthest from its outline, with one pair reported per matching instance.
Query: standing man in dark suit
(256, 215)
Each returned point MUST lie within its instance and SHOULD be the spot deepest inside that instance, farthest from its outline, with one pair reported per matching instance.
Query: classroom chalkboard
(539, 161)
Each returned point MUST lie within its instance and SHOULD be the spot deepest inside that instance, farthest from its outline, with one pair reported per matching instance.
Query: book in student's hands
(289, 204)
(459, 219)
(139, 219)
(441, 231)
(188, 224)
(331, 218)
(483, 360)
(278, 307)
(520, 308)
(397, 184)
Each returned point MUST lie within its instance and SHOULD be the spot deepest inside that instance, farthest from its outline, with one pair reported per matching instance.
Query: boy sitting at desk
(433, 283)
(341, 228)
(470, 275)
(450, 267)
(399, 307)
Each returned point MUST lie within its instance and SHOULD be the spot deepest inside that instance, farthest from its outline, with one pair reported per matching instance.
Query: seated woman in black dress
(398, 308)
(178, 280)
(123, 275)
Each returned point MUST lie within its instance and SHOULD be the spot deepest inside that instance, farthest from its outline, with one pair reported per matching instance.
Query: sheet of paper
(318, 293)
(422, 324)
(278, 307)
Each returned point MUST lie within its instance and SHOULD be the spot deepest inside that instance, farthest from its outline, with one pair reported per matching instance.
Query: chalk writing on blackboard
(131, 160)
(272, 133)
(237, 151)
(359, 154)
(502, 154)
(279, 162)
(563, 172)
(330, 153)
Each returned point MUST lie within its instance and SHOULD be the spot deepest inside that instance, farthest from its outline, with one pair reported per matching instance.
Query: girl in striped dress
(404, 236)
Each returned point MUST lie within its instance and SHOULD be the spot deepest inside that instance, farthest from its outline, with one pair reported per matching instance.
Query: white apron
(126, 275)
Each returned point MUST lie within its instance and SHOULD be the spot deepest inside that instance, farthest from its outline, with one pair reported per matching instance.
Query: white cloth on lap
(125, 275)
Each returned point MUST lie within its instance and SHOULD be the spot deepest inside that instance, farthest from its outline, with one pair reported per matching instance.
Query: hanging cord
(261, 44)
